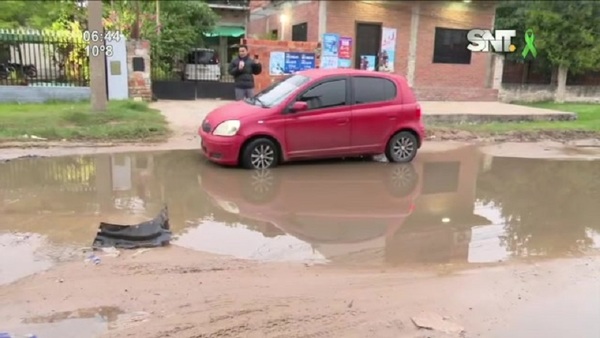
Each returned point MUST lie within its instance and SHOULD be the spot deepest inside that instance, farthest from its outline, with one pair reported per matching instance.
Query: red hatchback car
(317, 114)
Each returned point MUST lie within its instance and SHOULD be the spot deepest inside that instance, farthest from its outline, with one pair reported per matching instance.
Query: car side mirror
(298, 106)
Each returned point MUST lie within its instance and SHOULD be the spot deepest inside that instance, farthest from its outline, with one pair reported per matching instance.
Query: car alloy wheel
(263, 156)
(260, 153)
(402, 147)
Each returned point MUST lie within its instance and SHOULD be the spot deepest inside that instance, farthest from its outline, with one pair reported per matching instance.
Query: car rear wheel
(261, 153)
(402, 147)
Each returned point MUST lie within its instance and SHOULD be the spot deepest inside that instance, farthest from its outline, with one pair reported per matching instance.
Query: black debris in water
(149, 234)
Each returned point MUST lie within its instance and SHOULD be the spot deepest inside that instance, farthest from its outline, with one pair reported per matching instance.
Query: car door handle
(343, 121)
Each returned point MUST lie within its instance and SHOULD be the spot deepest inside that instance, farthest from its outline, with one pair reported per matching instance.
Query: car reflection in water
(361, 212)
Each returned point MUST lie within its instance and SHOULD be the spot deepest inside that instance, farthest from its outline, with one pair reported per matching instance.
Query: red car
(317, 114)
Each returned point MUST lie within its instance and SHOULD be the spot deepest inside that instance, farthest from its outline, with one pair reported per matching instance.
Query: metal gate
(197, 74)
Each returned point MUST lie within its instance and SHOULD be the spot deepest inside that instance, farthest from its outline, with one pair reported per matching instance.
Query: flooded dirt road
(485, 241)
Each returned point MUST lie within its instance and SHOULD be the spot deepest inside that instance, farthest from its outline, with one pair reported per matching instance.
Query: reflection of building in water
(439, 227)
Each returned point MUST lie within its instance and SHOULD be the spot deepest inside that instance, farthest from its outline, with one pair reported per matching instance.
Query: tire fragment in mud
(150, 234)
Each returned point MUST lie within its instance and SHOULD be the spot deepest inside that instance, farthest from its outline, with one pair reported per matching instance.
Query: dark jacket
(244, 78)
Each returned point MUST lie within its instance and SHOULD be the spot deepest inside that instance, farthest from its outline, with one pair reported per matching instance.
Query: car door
(374, 112)
(323, 129)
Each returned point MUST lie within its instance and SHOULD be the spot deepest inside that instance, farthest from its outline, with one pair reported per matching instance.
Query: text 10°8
(94, 50)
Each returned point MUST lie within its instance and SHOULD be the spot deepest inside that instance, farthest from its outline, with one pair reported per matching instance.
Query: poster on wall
(345, 63)
(285, 63)
(387, 55)
(345, 52)
(330, 48)
(367, 62)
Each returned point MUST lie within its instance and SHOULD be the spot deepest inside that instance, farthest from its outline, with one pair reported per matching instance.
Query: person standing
(243, 69)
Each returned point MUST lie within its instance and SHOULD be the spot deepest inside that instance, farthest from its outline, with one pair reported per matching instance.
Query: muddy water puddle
(93, 321)
(455, 206)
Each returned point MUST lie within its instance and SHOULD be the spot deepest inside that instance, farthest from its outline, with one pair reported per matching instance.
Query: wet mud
(452, 210)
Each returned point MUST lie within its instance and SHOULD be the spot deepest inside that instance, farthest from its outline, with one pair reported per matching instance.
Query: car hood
(233, 111)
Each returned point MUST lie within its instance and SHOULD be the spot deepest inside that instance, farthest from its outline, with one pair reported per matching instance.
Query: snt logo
(480, 40)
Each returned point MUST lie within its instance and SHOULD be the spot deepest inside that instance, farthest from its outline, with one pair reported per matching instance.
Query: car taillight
(418, 111)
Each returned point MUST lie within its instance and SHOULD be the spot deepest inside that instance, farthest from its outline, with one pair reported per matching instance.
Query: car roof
(319, 73)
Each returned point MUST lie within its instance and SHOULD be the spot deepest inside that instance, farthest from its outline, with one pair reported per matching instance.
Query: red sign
(345, 51)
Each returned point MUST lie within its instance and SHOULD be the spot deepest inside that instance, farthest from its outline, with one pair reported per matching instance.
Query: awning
(233, 31)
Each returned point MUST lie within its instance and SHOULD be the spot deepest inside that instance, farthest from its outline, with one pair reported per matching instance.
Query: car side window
(326, 95)
(373, 89)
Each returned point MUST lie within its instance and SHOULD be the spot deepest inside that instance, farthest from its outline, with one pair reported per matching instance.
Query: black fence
(33, 58)
(229, 3)
(197, 73)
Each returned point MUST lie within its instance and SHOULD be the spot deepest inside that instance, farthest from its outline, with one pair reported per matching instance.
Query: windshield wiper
(262, 104)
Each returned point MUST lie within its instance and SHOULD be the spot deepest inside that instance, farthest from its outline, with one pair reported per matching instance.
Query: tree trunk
(561, 87)
(525, 74)
(554, 76)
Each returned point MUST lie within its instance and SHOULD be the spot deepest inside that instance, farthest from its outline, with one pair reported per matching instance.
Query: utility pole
(97, 62)
(158, 17)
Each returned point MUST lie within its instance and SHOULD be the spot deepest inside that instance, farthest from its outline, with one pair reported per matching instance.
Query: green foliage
(74, 121)
(36, 14)
(182, 23)
(567, 33)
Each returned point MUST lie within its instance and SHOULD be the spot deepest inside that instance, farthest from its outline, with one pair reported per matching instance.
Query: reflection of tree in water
(547, 204)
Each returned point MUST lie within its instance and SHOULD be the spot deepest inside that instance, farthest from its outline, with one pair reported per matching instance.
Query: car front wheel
(402, 147)
(260, 154)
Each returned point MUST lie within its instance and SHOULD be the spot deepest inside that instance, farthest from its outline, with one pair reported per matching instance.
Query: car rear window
(373, 89)
(202, 57)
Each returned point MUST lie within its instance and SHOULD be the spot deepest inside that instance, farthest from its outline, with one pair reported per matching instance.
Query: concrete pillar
(498, 70)
(412, 45)
(322, 18)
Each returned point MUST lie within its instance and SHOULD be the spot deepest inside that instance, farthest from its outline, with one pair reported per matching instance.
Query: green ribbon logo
(530, 44)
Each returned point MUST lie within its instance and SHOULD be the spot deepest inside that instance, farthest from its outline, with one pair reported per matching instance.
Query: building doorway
(368, 42)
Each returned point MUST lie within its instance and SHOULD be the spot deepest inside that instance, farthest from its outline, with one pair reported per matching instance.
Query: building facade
(430, 46)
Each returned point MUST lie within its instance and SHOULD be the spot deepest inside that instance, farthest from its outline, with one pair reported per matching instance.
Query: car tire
(260, 154)
(402, 179)
(402, 147)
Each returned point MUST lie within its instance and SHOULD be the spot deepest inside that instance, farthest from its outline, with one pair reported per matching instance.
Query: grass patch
(588, 120)
(123, 120)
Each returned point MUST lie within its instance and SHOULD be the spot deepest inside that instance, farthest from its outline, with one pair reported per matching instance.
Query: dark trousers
(242, 93)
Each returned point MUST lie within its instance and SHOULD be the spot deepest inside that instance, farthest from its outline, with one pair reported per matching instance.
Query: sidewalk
(188, 115)
(477, 112)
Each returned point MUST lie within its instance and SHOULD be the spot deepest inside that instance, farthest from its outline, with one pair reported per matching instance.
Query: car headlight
(227, 128)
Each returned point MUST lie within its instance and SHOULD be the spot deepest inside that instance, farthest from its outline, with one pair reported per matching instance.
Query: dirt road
(175, 292)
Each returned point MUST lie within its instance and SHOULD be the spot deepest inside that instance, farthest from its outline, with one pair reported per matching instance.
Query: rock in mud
(436, 322)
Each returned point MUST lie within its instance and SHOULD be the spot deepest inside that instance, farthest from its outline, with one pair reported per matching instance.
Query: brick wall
(264, 48)
(140, 84)
(265, 21)
(342, 17)
(451, 15)
(431, 81)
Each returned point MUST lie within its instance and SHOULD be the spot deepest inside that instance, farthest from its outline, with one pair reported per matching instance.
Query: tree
(567, 33)
(182, 23)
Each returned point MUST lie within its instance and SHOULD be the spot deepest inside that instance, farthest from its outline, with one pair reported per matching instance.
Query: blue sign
(295, 62)
(285, 63)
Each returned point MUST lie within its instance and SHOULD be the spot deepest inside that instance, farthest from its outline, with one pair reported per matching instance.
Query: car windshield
(279, 91)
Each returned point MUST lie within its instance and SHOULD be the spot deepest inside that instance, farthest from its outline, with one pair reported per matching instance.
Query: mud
(337, 248)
